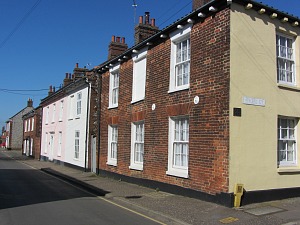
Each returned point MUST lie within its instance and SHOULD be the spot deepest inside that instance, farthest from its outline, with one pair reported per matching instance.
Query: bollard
(238, 192)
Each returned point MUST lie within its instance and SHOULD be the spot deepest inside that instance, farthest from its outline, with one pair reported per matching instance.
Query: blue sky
(41, 40)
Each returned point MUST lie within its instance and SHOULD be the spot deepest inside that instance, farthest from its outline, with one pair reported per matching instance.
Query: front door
(51, 145)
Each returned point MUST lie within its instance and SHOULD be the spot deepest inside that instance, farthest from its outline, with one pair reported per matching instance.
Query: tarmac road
(29, 196)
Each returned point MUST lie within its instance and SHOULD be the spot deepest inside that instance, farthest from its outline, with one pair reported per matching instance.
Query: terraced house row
(203, 106)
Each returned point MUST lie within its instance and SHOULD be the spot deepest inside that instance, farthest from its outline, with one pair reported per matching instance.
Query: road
(31, 197)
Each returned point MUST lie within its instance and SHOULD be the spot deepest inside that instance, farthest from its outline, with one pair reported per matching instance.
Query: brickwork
(199, 3)
(33, 134)
(209, 120)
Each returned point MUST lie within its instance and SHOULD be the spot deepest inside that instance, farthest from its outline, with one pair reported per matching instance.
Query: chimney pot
(147, 17)
(67, 75)
(123, 40)
(76, 65)
(118, 39)
(141, 19)
(113, 38)
(153, 22)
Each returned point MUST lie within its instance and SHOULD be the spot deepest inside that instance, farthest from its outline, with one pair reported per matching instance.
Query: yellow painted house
(265, 101)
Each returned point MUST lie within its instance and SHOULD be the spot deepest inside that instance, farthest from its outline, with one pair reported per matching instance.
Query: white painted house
(65, 124)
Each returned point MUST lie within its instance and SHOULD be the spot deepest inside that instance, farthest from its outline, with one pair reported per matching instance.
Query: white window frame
(28, 125)
(112, 145)
(178, 136)
(114, 81)
(25, 126)
(53, 112)
(285, 57)
(137, 145)
(61, 110)
(287, 141)
(177, 38)
(77, 144)
(78, 104)
(71, 107)
(31, 146)
(32, 124)
(59, 143)
(47, 115)
(139, 75)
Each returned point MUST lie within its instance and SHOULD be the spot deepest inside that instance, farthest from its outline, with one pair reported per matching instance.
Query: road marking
(228, 220)
(130, 210)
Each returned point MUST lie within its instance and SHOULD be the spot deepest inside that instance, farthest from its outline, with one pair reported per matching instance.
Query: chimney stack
(29, 103)
(198, 3)
(50, 92)
(67, 80)
(116, 47)
(79, 72)
(144, 29)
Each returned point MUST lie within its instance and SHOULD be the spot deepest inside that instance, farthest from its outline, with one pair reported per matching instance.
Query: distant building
(3, 138)
(14, 128)
(32, 133)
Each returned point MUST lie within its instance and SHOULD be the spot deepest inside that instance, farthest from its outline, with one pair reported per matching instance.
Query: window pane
(290, 156)
(182, 67)
(286, 143)
(285, 61)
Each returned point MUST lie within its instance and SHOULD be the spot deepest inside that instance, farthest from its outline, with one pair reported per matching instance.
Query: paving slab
(263, 210)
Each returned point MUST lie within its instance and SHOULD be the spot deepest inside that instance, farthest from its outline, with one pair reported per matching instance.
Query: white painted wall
(69, 123)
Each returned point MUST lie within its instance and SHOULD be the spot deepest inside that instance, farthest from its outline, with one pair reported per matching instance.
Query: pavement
(165, 207)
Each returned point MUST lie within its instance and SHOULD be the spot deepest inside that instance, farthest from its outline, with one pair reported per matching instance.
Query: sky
(41, 40)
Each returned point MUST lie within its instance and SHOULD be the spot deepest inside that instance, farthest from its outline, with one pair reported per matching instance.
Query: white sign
(196, 100)
(254, 101)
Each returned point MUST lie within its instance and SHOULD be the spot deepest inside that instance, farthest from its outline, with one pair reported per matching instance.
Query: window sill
(288, 87)
(113, 107)
(137, 100)
(179, 89)
(136, 167)
(288, 170)
(176, 173)
(111, 163)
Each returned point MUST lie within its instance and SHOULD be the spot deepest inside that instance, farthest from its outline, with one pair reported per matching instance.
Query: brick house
(32, 122)
(205, 103)
(67, 122)
(3, 138)
(14, 128)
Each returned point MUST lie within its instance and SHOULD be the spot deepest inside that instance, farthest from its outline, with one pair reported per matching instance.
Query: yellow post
(238, 192)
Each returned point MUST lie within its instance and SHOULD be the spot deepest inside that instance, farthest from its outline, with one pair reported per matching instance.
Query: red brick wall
(209, 120)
